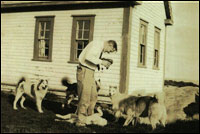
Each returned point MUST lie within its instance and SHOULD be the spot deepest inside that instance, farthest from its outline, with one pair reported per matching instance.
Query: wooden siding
(147, 79)
(17, 44)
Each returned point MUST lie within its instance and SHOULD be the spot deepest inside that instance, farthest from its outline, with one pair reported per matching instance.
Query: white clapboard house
(43, 39)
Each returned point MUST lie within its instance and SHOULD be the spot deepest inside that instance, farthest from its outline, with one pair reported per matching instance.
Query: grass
(179, 83)
(26, 121)
(181, 102)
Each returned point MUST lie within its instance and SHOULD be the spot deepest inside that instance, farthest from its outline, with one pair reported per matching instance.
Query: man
(89, 59)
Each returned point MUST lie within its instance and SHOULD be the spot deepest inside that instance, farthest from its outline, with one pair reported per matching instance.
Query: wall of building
(17, 43)
(147, 79)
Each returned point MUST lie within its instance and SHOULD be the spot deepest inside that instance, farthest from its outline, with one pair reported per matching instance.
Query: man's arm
(93, 55)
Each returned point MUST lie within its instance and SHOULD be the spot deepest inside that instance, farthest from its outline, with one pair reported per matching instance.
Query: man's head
(110, 46)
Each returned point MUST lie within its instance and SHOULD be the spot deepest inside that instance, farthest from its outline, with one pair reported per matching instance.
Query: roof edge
(33, 4)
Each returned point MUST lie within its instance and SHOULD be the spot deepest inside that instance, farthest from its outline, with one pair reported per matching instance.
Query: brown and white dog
(36, 91)
(135, 108)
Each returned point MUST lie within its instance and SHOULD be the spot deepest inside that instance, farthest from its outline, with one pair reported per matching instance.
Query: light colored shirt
(90, 56)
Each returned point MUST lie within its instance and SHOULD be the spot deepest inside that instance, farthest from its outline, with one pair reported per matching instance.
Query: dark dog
(72, 90)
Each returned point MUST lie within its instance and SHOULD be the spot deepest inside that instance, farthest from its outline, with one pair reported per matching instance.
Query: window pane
(156, 58)
(47, 34)
(44, 30)
(141, 53)
(86, 43)
(78, 53)
(86, 35)
(48, 24)
(41, 35)
(157, 40)
(79, 34)
(80, 45)
(47, 48)
(43, 48)
(87, 24)
(41, 26)
(79, 24)
(143, 49)
(142, 34)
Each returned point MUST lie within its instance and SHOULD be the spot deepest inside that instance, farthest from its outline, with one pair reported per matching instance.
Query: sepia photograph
(99, 66)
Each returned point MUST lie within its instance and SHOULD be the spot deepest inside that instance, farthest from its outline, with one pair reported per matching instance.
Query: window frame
(76, 18)
(143, 64)
(156, 30)
(36, 47)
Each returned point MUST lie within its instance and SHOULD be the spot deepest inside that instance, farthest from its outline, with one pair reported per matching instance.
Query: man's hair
(113, 43)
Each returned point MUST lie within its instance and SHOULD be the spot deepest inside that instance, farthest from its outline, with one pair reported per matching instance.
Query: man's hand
(106, 63)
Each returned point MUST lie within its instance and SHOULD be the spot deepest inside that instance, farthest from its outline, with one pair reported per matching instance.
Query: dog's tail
(22, 79)
(65, 81)
(21, 82)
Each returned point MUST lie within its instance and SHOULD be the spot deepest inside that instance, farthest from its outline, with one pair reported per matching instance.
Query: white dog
(157, 114)
(37, 91)
(95, 119)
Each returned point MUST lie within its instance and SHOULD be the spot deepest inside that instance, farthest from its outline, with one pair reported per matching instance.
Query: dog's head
(112, 90)
(43, 84)
(114, 95)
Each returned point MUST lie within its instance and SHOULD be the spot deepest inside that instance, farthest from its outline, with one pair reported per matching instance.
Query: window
(156, 48)
(82, 34)
(142, 43)
(43, 38)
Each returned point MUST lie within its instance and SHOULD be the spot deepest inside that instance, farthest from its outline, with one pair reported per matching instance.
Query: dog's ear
(41, 81)
(38, 86)
(47, 81)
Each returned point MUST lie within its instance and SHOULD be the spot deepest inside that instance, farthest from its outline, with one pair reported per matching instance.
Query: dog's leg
(39, 103)
(128, 120)
(22, 102)
(153, 123)
(117, 115)
(17, 97)
(163, 120)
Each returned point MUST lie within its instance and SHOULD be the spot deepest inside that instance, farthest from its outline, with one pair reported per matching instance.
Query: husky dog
(135, 108)
(157, 114)
(37, 91)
